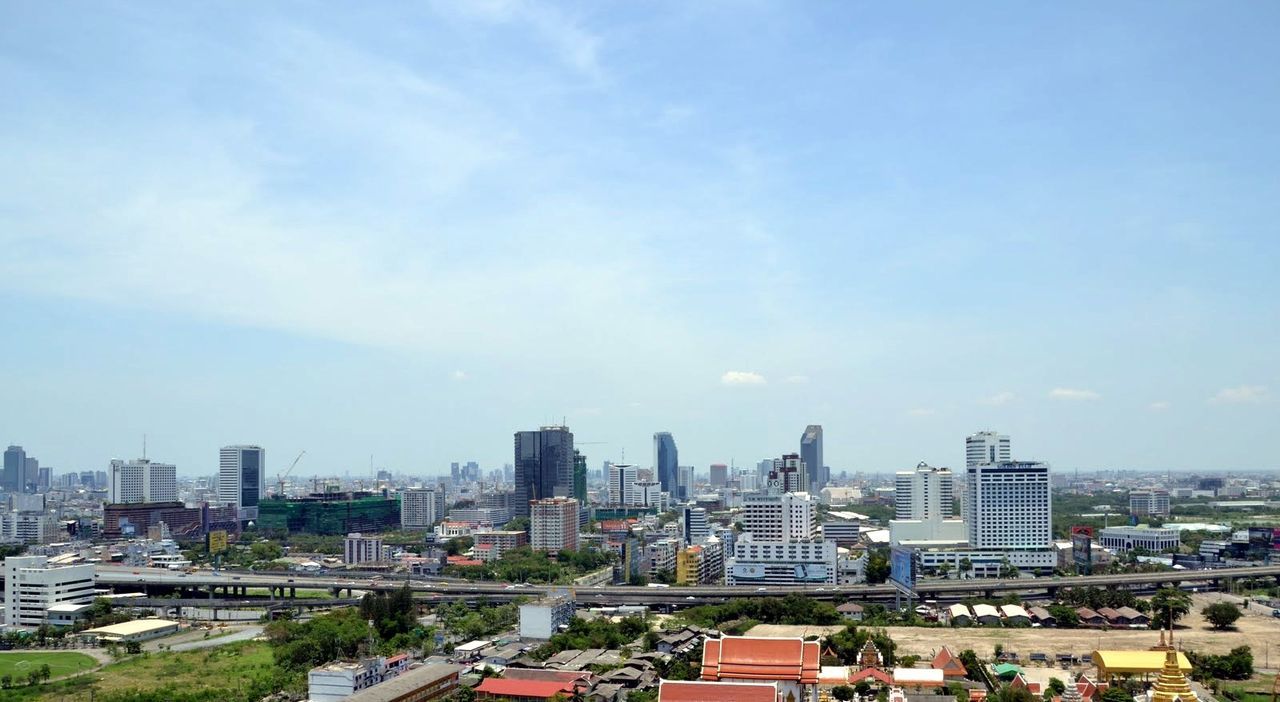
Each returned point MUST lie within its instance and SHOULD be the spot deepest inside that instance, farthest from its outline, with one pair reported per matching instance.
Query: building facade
(542, 619)
(241, 478)
(142, 480)
(987, 447)
(543, 466)
(491, 546)
(788, 474)
(811, 455)
(666, 461)
(32, 587)
(1008, 508)
(1122, 539)
(923, 493)
(358, 548)
(553, 524)
(422, 508)
(1149, 503)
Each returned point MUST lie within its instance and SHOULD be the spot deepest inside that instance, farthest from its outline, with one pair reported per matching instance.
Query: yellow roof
(1136, 661)
(138, 626)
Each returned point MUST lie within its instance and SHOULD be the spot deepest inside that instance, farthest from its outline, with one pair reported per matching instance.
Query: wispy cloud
(573, 44)
(1000, 398)
(1158, 406)
(1073, 394)
(459, 375)
(1241, 395)
(742, 378)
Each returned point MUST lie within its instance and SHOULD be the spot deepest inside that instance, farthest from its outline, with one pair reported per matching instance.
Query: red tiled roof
(949, 664)
(503, 687)
(751, 658)
(397, 658)
(564, 676)
(681, 691)
(874, 673)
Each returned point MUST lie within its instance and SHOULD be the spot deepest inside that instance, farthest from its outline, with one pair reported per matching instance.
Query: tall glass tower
(665, 461)
(811, 454)
(543, 466)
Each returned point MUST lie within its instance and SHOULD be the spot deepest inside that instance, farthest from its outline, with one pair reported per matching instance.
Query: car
(690, 597)
(1275, 613)
(762, 589)
(235, 577)
(822, 589)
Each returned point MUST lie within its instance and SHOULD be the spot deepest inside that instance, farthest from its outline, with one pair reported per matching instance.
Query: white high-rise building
(358, 548)
(553, 524)
(622, 483)
(32, 587)
(782, 518)
(789, 474)
(923, 493)
(1008, 506)
(422, 507)
(241, 478)
(986, 447)
(1153, 502)
(142, 480)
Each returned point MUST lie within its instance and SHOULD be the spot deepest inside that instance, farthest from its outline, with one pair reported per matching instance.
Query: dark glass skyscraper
(811, 454)
(665, 462)
(15, 468)
(579, 477)
(544, 466)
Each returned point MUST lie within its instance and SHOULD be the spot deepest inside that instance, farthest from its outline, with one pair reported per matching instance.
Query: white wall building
(1122, 539)
(142, 480)
(553, 524)
(923, 493)
(789, 474)
(622, 483)
(1008, 508)
(987, 447)
(422, 508)
(541, 619)
(359, 548)
(242, 478)
(781, 563)
(1149, 503)
(32, 587)
(789, 516)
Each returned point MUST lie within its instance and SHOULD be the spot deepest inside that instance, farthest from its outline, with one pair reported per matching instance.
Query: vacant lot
(1253, 629)
(60, 663)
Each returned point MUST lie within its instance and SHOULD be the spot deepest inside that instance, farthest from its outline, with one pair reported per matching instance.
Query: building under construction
(330, 513)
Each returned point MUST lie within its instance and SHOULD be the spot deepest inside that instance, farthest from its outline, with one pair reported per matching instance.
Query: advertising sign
(1082, 552)
(217, 541)
(903, 567)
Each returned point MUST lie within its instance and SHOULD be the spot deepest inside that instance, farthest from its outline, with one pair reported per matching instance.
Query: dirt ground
(1256, 629)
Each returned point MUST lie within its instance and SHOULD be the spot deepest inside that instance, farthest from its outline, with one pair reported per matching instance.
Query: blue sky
(407, 231)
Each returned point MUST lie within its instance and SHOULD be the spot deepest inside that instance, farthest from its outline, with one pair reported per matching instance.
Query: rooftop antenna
(144, 446)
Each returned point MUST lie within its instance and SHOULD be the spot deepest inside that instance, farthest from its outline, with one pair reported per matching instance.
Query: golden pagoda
(1171, 685)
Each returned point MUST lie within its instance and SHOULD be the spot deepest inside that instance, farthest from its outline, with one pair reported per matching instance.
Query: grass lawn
(59, 662)
(238, 672)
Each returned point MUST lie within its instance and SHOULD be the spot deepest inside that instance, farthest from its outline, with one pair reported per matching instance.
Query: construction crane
(281, 476)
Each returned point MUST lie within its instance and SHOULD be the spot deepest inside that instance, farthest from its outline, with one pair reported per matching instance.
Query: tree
(1008, 570)
(1222, 615)
(6, 681)
(1009, 693)
(1065, 616)
(1116, 693)
(1168, 605)
(1056, 686)
(966, 566)
(844, 693)
(944, 569)
(878, 568)
(132, 647)
(45, 672)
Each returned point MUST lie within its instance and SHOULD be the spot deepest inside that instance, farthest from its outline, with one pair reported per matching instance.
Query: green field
(60, 663)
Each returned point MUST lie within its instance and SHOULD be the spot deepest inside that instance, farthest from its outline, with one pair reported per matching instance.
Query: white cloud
(1000, 398)
(1244, 394)
(460, 375)
(796, 379)
(1158, 406)
(742, 378)
(1073, 394)
(922, 412)
(573, 44)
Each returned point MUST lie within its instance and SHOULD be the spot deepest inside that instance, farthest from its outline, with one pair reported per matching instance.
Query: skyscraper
(422, 507)
(986, 447)
(1008, 506)
(15, 468)
(553, 524)
(923, 493)
(241, 471)
(811, 454)
(788, 475)
(31, 474)
(543, 466)
(665, 461)
(684, 482)
(579, 477)
(718, 475)
(142, 481)
(622, 478)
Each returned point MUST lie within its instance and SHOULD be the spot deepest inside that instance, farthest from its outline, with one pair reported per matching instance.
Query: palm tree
(966, 566)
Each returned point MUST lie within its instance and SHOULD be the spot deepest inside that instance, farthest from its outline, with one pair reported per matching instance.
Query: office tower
(100, 481)
(86, 479)
(788, 475)
(1153, 502)
(241, 471)
(544, 466)
(15, 467)
(508, 472)
(718, 475)
(923, 493)
(142, 480)
(32, 587)
(30, 474)
(811, 455)
(422, 508)
(694, 525)
(1007, 506)
(763, 468)
(45, 480)
(986, 447)
(665, 461)
(780, 518)
(471, 471)
(622, 484)
(579, 477)
(455, 472)
(553, 524)
(684, 482)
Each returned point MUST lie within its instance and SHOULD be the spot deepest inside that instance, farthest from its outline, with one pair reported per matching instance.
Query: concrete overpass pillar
(293, 592)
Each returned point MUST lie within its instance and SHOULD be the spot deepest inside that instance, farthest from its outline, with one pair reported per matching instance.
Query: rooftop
(503, 687)
(405, 683)
(138, 626)
(688, 691)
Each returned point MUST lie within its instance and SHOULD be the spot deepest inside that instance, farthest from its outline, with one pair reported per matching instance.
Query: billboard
(904, 566)
(217, 541)
(1087, 530)
(1082, 552)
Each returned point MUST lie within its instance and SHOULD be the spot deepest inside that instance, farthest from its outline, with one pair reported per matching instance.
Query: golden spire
(1171, 685)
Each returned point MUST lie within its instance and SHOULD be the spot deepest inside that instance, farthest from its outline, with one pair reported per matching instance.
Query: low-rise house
(1015, 615)
(949, 664)
(700, 691)
(959, 615)
(851, 611)
(1041, 616)
(1090, 618)
(522, 690)
(1112, 616)
(1128, 616)
(918, 679)
(986, 615)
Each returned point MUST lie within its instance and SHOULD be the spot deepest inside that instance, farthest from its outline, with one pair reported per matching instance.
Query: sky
(393, 234)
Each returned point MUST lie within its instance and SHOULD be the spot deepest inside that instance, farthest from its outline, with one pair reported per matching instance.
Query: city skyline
(311, 233)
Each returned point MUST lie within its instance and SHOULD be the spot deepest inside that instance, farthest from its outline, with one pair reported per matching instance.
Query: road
(124, 576)
(244, 634)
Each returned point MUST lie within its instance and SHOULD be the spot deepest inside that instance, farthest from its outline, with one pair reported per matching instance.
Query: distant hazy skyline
(408, 231)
